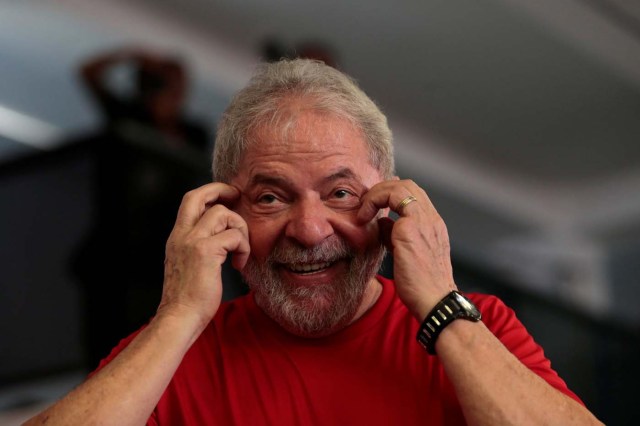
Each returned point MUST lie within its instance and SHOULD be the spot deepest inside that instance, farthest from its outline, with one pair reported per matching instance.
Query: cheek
(262, 233)
(263, 236)
(360, 236)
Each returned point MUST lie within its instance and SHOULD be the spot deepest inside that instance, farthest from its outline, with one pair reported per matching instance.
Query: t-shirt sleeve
(112, 355)
(116, 351)
(502, 322)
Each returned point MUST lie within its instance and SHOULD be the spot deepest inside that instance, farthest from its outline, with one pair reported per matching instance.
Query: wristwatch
(452, 307)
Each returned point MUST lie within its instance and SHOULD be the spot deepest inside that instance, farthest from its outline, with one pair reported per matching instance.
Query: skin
(307, 203)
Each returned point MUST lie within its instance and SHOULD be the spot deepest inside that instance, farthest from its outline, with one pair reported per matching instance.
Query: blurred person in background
(155, 97)
(304, 183)
(146, 154)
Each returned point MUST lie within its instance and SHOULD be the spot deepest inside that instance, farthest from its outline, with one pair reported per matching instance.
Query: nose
(309, 223)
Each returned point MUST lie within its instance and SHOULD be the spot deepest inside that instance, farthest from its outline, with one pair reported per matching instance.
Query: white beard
(312, 310)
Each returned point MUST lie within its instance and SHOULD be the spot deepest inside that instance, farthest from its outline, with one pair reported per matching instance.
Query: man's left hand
(418, 240)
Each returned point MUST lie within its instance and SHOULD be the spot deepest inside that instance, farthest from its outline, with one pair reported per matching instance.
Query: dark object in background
(146, 156)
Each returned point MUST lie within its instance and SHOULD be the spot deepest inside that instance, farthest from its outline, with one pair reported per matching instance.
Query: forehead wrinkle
(281, 126)
(317, 137)
(342, 173)
(271, 154)
(284, 182)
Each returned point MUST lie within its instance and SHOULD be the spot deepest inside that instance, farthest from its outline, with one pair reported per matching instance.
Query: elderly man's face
(310, 260)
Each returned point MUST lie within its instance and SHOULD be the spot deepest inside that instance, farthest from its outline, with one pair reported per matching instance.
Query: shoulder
(504, 324)
(491, 307)
(501, 320)
(488, 301)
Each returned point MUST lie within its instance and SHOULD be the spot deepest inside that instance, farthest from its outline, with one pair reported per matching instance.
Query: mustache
(330, 250)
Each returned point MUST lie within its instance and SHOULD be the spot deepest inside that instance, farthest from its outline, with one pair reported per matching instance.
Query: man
(144, 157)
(155, 100)
(304, 182)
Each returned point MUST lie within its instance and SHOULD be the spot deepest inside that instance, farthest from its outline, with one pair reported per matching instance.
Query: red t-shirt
(246, 370)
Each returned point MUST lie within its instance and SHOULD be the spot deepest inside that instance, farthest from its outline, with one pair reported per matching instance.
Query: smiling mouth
(307, 268)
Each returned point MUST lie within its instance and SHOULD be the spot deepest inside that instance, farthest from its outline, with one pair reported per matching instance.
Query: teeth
(306, 268)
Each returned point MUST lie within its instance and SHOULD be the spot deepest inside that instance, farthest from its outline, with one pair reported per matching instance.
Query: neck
(371, 296)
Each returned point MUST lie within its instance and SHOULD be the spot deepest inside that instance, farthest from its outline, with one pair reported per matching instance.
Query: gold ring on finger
(402, 204)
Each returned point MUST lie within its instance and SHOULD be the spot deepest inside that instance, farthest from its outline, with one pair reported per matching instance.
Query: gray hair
(325, 89)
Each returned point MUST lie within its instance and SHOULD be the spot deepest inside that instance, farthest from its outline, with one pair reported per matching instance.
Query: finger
(235, 242)
(217, 219)
(389, 194)
(196, 202)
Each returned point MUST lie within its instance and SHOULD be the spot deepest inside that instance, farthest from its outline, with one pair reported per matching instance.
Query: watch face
(468, 306)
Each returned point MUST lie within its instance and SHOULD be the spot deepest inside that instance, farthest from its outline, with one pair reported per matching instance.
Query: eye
(341, 193)
(267, 199)
(343, 199)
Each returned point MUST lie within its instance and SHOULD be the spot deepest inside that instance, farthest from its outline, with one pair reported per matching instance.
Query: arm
(492, 385)
(127, 389)
(167, 70)
(93, 71)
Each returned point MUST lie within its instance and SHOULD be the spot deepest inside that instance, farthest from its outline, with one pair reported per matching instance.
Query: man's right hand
(206, 230)
(126, 390)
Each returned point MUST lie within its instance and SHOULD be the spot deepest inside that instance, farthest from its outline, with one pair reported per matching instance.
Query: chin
(313, 305)
(311, 311)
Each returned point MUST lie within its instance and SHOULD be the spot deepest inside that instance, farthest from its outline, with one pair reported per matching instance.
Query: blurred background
(521, 119)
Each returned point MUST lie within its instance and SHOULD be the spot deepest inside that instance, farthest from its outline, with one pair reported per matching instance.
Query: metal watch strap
(451, 307)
